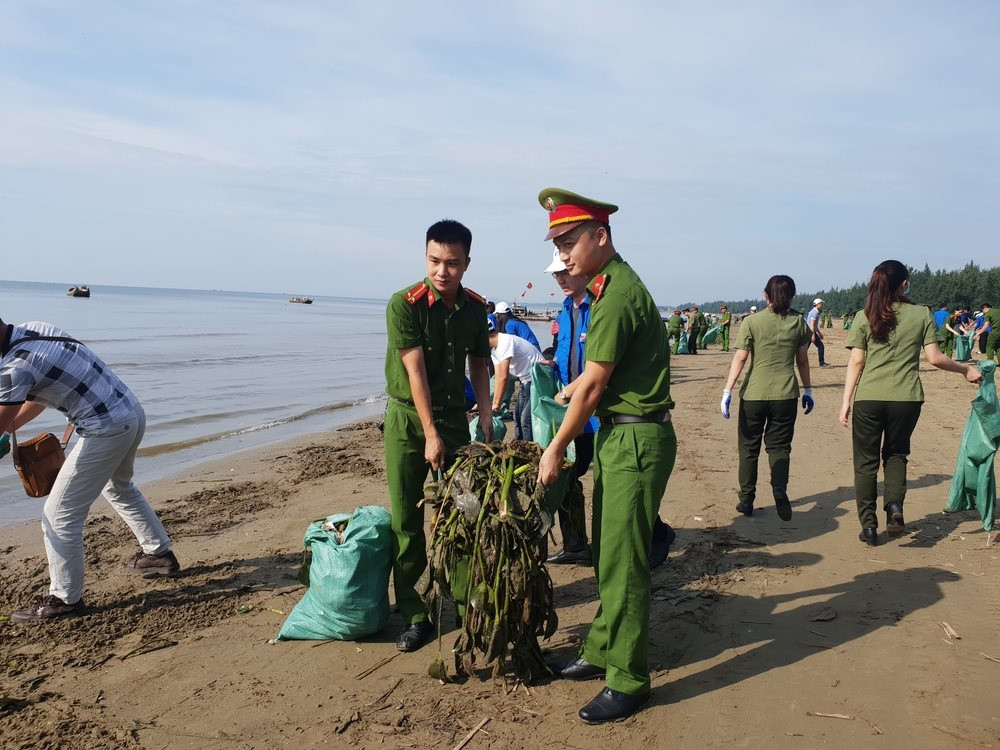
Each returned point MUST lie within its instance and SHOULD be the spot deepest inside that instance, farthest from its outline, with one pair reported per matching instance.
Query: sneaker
(47, 608)
(164, 564)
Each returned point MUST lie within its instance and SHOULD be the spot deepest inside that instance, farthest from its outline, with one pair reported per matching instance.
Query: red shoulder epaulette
(413, 296)
(476, 296)
(597, 285)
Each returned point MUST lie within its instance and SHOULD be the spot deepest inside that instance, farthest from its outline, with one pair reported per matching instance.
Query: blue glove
(727, 397)
(4, 445)
(807, 400)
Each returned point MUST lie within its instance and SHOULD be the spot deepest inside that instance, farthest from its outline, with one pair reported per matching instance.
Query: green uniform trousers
(631, 468)
(725, 338)
(993, 345)
(881, 429)
(406, 472)
(675, 334)
(948, 344)
(774, 421)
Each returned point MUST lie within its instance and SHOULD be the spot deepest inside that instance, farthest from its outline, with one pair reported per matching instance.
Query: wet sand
(757, 625)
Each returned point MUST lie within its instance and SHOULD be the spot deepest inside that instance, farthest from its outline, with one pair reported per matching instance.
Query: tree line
(970, 285)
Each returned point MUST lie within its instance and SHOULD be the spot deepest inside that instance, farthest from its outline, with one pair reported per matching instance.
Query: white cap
(817, 301)
(502, 307)
(753, 308)
(556, 265)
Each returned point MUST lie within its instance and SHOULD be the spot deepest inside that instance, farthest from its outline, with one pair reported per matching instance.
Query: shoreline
(770, 623)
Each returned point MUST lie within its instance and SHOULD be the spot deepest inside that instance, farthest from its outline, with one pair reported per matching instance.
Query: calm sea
(215, 371)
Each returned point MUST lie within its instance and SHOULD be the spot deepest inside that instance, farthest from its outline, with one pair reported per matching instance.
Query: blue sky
(304, 147)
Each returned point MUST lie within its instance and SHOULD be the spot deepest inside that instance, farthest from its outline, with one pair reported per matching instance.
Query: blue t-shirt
(520, 329)
(940, 317)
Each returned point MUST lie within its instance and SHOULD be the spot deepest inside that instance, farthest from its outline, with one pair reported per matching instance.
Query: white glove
(727, 397)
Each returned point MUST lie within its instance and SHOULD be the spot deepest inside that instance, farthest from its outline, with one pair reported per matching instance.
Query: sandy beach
(794, 635)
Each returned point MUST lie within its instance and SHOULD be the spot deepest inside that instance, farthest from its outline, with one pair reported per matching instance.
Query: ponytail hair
(780, 291)
(885, 289)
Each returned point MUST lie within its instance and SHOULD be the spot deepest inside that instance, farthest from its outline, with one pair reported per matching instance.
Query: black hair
(885, 289)
(780, 291)
(451, 232)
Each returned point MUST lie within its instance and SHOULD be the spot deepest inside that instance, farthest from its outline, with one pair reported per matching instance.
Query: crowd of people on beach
(611, 352)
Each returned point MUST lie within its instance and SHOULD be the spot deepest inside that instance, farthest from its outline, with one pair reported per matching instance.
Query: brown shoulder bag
(38, 461)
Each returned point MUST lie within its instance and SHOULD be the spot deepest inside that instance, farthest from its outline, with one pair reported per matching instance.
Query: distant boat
(79, 291)
(302, 300)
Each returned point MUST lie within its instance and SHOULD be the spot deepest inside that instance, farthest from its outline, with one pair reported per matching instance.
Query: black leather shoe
(869, 536)
(570, 557)
(894, 525)
(782, 505)
(659, 548)
(580, 669)
(610, 705)
(744, 507)
(416, 635)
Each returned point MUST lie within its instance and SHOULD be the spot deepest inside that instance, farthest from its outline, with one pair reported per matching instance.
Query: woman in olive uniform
(775, 341)
(884, 384)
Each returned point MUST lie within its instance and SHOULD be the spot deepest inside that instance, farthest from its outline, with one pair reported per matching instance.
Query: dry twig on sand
(377, 665)
(471, 734)
(829, 716)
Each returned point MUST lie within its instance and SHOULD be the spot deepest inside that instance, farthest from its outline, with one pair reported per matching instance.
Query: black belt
(656, 417)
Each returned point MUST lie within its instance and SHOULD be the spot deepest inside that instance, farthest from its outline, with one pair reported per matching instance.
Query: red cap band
(569, 212)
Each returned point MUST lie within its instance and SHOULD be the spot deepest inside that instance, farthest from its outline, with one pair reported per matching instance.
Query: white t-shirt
(521, 353)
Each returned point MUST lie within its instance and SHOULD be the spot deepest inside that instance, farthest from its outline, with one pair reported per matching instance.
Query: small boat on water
(302, 300)
(79, 291)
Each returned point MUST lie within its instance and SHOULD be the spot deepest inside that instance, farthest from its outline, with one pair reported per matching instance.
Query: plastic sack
(348, 594)
(682, 348)
(476, 432)
(974, 483)
(963, 347)
(508, 394)
(711, 335)
(547, 414)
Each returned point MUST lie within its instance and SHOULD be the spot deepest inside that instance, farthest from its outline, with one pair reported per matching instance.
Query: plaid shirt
(65, 376)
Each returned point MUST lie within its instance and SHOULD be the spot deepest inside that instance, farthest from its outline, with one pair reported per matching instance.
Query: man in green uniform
(674, 325)
(725, 320)
(991, 320)
(696, 327)
(626, 379)
(433, 327)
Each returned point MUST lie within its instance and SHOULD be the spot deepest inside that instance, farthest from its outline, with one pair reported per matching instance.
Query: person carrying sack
(41, 365)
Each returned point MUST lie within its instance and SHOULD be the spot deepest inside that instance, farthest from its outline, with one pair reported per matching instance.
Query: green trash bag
(974, 484)
(963, 347)
(508, 394)
(682, 348)
(711, 335)
(547, 414)
(476, 432)
(348, 594)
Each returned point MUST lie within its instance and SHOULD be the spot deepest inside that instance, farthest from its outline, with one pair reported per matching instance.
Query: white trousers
(97, 465)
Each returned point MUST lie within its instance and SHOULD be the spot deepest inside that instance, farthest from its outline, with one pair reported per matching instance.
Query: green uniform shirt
(674, 323)
(698, 322)
(447, 337)
(626, 329)
(891, 368)
(992, 317)
(773, 341)
(725, 320)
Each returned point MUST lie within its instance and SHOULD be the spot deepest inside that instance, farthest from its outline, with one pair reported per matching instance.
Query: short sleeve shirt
(65, 376)
(448, 337)
(521, 353)
(993, 317)
(773, 341)
(626, 329)
(811, 316)
(725, 320)
(891, 370)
